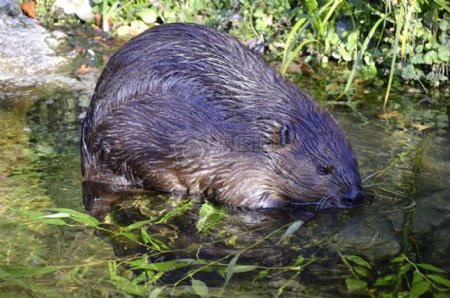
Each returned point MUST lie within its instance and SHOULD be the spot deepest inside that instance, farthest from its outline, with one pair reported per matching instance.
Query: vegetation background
(385, 43)
(381, 42)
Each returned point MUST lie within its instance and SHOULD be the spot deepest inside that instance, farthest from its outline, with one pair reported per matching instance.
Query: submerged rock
(431, 221)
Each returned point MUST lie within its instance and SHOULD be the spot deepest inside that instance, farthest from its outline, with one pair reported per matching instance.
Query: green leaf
(128, 286)
(136, 225)
(300, 260)
(404, 269)
(209, 216)
(430, 57)
(200, 288)
(146, 238)
(148, 15)
(417, 277)
(358, 260)
(398, 259)
(419, 49)
(39, 216)
(57, 215)
(439, 279)
(122, 283)
(443, 5)
(243, 268)
(156, 293)
(352, 41)
(54, 221)
(130, 236)
(444, 25)
(230, 269)
(155, 243)
(443, 53)
(419, 289)
(162, 266)
(417, 59)
(78, 216)
(430, 267)
(14, 272)
(408, 72)
(355, 285)
(386, 280)
(293, 227)
(262, 274)
(179, 210)
(362, 271)
(361, 52)
(287, 57)
(333, 38)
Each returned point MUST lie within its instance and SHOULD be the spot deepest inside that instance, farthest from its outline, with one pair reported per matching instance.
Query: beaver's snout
(351, 198)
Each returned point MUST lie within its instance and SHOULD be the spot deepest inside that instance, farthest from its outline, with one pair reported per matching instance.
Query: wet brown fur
(185, 108)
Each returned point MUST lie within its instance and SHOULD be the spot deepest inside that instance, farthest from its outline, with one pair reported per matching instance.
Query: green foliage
(294, 227)
(44, 11)
(408, 280)
(141, 275)
(200, 288)
(406, 39)
(210, 215)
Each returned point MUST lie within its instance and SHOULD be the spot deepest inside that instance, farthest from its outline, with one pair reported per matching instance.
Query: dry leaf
(80, 50)
(98, 20)
(29, 9)
(420, 127)
(389, 115)
(332, 87)
(84, 69)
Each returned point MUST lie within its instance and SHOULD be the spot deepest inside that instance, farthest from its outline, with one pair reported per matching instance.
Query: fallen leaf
(84, 69)
(420, 127)
(295, 67)
(80, 50)
(98, 20)
(389, 115)
(332, 87)
(29, 9)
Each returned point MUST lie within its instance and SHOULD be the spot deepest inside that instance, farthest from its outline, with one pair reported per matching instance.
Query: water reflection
(40, 169)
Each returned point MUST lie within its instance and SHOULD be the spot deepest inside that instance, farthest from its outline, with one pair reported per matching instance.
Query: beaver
(187, 109)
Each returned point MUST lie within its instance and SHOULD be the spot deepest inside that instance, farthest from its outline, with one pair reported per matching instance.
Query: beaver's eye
(324, 170)
(285, 135)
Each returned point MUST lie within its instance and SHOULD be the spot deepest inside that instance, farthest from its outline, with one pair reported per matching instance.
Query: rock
(9, 8)
(59, 35)
(430, 227)
(431, 221)
(26, 54)
(81, 8)
(371, 237)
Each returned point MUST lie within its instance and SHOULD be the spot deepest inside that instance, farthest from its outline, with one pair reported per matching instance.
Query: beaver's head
(315, 162)
(304, 158)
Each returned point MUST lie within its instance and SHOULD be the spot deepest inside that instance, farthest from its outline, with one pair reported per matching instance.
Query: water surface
(405, 156)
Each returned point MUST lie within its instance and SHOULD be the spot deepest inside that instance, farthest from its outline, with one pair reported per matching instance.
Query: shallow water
(408, 172)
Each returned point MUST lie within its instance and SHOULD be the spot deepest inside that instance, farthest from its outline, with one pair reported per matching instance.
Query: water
(40, 170)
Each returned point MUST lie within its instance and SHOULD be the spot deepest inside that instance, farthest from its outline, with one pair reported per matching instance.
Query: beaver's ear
(283, 136)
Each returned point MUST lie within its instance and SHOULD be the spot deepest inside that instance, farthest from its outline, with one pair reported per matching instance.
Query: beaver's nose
(352, 198)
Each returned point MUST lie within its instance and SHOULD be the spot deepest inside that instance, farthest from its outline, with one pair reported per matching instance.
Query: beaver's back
(196, 59)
